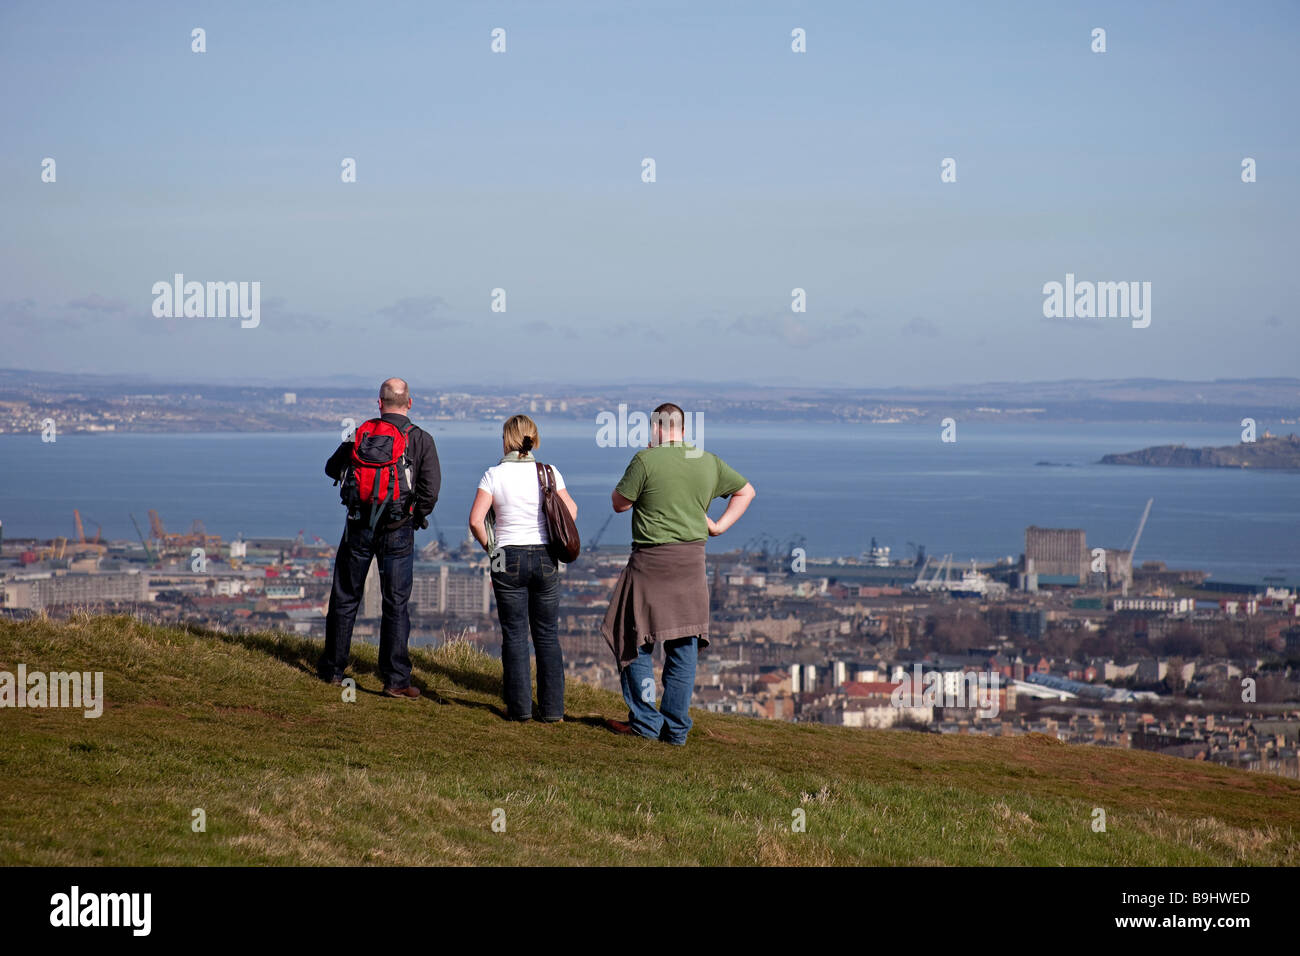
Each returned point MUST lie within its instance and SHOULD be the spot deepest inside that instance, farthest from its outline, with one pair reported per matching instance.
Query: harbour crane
(940, 578)
(82, 545)
(595, 542)
(920, 575)
(437, 529)
(199, 537)
(936, 580)
(55, 550)
(156, 528)
(144, 541)
(1126, 568)
(1132, 548)
(945, 566)
(764, 548)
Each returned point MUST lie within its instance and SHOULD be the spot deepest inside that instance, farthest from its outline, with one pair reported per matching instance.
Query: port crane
(81, 543)
(437, 529)
(148, 552)
(595, 542)
(920, 575)
(1137, 536)
(768, 551)
(159, 533)
(940, 578)
(197, 538)
(54, 551)
(1126, 568)
(756, 545)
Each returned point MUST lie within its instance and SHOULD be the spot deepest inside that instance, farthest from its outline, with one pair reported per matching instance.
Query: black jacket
(423, 454)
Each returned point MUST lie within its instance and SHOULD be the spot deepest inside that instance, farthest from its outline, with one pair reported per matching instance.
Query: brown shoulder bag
(563, 533)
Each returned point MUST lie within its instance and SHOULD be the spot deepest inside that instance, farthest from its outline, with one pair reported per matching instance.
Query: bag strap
(406, 440)
(375, 512)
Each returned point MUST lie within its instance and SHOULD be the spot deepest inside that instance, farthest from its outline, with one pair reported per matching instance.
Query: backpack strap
(406, 434)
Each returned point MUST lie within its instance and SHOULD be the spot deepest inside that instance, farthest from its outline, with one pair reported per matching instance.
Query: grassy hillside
(288, 773)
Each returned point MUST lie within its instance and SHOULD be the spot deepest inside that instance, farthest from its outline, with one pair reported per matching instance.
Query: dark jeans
(528, 596)
(395, 553)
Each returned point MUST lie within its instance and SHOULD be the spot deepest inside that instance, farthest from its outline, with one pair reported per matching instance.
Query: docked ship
(973, 583)
(877, 556)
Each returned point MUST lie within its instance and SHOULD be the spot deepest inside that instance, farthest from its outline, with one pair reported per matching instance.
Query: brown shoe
(621, 727)
(402, 693)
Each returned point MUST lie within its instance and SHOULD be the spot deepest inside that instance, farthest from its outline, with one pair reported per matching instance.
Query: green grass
(288, 773)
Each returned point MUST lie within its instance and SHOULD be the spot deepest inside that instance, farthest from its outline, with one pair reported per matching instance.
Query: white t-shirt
(516, 498)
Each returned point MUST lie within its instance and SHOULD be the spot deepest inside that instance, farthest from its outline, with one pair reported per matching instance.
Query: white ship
(973, 583)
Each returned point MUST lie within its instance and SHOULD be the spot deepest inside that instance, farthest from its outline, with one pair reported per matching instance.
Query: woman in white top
(525, 578)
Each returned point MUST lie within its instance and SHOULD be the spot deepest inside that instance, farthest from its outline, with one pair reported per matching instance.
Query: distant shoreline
(233, 426)
(90, 404)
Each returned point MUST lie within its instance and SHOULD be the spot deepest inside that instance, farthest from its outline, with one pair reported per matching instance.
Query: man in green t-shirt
(663, 593)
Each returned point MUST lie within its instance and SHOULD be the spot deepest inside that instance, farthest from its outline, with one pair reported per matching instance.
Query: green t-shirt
(672, 492)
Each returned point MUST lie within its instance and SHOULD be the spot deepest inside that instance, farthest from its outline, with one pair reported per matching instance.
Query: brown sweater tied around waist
(662, 594)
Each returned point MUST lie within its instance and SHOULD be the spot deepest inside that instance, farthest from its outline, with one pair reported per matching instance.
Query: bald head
(394, 396)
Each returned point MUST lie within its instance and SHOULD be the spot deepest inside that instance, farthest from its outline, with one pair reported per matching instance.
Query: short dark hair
(669, 417)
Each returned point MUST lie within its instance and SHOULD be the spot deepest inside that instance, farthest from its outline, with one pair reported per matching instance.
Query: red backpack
(379, 475)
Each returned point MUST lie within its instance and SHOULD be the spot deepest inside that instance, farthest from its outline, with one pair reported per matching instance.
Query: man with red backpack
(390, 481)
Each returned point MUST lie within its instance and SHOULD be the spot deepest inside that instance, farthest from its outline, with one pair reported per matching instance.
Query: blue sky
(775, 170)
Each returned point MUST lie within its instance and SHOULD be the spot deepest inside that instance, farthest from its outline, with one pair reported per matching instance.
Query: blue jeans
(395, 552)
(672, 721)
(528, 598)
